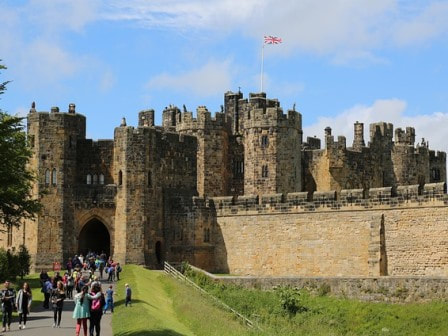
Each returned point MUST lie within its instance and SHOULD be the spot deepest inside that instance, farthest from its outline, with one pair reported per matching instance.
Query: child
(109, 300)
(128, 295)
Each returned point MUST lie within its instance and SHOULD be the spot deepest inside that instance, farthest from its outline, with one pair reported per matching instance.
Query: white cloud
(211, 79)
(346, 29)
(432, 127)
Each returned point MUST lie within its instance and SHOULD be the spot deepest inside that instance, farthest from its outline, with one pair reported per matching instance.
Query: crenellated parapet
(345, 200)
(203, 121)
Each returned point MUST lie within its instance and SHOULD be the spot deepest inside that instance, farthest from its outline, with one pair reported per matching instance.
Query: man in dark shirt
(8, 296)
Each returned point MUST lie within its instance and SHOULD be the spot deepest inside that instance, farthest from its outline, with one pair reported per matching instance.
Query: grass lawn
(325, 315)
(163, 306)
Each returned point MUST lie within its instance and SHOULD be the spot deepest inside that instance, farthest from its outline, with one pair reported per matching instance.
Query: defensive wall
(400, 232)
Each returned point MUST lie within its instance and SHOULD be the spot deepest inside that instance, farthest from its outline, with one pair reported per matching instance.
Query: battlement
(203, 120)
(345, 200)
(437, 156)
(405, 137)
(381, 131)
(273, 117)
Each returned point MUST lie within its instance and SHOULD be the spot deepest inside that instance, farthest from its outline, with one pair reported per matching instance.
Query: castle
(239, 192)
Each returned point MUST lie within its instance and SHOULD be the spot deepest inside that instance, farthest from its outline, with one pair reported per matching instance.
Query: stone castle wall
(347, 237)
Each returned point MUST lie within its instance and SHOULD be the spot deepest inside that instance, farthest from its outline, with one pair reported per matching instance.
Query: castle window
(95, 179)
(31, 141)
(149, 178)
(264, 141)
(101, 178)
(9, 234)
(89, 179)
(238, 167)
(54, 177)
(69, 141)
(47, 177)
(120, 178)
(264, 171)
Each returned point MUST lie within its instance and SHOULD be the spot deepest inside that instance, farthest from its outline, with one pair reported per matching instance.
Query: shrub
(14, 264)
(290, 300)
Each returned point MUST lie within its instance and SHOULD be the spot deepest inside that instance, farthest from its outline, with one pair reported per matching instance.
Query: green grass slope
(164, 306)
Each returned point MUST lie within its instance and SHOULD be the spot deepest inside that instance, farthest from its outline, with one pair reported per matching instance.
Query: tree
(23, 261)
(16, 179)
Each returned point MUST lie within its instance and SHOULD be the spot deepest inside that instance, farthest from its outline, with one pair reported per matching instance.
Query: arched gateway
(94, 236)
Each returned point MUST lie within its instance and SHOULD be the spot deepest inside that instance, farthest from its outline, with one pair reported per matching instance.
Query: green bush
(290, 300)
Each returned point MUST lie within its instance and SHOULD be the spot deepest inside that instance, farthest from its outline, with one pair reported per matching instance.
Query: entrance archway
(94, 237)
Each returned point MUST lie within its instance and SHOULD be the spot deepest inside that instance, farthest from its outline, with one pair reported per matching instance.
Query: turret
(146, 118)
(358, 140)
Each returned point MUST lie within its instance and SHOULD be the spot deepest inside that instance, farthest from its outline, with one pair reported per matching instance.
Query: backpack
(96, 304)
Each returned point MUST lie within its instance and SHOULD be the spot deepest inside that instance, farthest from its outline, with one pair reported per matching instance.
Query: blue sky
(340, 60)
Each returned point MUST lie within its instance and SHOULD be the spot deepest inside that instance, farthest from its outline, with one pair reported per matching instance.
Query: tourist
(57, 299)
(109, 300)
(101, 267)
(23, 304)
(128, 295)
(118, 270)
(111, 272)
(8, 296)
(82, 309)
(70, 285)
(96, 310)
(47, 289)
(69, 266)
(43, 277)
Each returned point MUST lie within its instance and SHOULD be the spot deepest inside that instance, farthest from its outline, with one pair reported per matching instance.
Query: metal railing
(170, 270)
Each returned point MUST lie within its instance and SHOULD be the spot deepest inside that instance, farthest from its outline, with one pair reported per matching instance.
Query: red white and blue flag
(272, 40)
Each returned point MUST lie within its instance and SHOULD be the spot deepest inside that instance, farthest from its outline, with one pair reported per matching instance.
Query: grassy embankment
(163, 306)
(325, 315)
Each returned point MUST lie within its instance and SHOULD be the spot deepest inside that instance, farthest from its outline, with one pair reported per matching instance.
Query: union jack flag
(272, 40)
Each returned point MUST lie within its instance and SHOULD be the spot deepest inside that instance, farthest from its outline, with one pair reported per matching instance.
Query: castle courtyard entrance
(94, 237)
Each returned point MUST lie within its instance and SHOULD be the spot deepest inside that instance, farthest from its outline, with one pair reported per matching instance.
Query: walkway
(40, 321)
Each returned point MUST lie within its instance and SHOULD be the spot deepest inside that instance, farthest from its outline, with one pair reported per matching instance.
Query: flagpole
(262, 63)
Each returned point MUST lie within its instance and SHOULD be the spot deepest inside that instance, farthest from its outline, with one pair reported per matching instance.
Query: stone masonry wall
(379, 236)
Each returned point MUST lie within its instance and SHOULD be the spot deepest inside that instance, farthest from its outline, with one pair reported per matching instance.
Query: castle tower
(213, 149)
(169, 116)
(272, 148)
(53, 137)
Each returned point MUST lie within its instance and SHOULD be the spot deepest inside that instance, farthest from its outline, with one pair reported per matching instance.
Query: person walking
(96, 310)
(23, 304)
(8, 296)
(70, 286)
(47, 289)
(57, 299)
(81, 313)
(109, 300)
(128, 295)
(118, 270)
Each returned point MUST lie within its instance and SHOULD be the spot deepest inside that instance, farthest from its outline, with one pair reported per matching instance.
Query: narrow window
(54, 177)
(101, 178)
(47, 177)
(89, 179)
(120, 178)
(95, 179)
(205, 235)
(9, 235)
(149, 179)
(264, 171)
(264, 141)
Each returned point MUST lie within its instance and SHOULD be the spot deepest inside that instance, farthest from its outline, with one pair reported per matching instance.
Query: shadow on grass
(162, 332)
(133, 302)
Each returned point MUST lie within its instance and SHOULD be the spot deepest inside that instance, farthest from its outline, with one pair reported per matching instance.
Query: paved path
(40, 322)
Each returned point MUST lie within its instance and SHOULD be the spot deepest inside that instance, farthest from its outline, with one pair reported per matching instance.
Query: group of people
(90, 301)
(10, 301)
